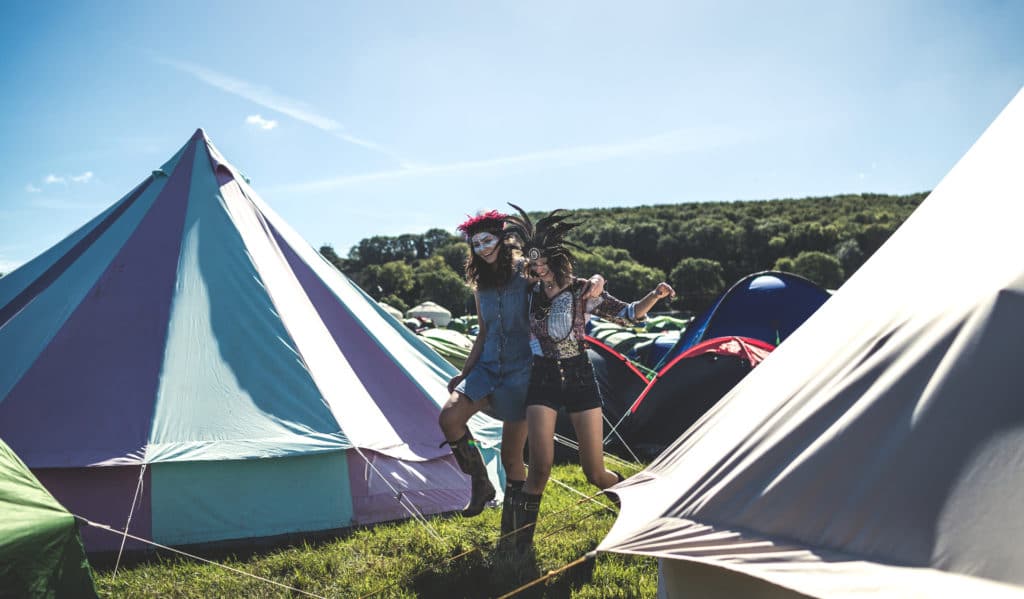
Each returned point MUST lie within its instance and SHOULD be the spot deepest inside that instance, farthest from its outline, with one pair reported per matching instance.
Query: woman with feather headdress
(497, 371)
(562, 375)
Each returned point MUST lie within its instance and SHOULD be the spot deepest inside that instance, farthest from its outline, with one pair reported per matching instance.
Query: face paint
(484, 242)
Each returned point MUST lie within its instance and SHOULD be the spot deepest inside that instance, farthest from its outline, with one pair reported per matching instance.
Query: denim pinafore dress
(503, 370)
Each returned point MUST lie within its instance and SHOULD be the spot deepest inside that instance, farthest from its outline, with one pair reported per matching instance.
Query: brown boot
(467, 454)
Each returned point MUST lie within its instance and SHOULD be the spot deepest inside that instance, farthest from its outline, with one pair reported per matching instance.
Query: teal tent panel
(232, 384)
(196, 502)
(25, 336)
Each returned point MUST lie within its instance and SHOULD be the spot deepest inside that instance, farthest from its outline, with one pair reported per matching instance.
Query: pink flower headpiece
(485, 221)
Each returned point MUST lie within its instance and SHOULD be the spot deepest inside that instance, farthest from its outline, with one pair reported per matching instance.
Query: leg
(454, 416)
(589, 433)
(541, 426)
(513, 440)
(455, 413)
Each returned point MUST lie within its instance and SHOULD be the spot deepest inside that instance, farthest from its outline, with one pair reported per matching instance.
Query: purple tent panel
(103, 495)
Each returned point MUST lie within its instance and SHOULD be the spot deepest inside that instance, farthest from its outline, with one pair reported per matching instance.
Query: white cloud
(32, 188)
(8, 265)
(83, 178)
(671, 142)
(268, 98)
(51, 179)
(262, 123)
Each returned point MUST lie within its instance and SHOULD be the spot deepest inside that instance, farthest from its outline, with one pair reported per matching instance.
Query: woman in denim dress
(497, 371)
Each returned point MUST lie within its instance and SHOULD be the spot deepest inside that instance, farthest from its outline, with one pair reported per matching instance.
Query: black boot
(467, 454)
(512, 490)
(524, 519)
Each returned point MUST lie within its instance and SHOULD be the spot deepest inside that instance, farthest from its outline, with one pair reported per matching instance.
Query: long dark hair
(561, 266)
(481, 275)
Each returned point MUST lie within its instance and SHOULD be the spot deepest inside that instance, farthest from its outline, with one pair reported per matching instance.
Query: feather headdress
(546, 239)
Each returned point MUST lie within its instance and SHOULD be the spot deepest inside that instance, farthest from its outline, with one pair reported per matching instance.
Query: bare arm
(616, 310)
(474, 353)
(644, 304)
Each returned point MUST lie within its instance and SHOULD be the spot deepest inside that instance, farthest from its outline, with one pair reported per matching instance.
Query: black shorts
(567, 383)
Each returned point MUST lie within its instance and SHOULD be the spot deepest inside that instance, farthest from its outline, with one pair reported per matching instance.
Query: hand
(594, 288)
(664, 290)
(452, 384)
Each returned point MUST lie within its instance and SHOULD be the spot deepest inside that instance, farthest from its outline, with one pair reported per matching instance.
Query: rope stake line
(615, 431)
(521, 528)
(115, 531)
(127, 525)
(411, 507)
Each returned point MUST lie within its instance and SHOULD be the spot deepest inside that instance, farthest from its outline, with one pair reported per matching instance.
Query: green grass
(405, 560)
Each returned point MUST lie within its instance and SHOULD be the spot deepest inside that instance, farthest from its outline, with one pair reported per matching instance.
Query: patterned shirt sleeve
(612, 308)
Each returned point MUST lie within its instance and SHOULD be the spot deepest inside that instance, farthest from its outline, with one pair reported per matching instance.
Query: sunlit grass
(405, 560)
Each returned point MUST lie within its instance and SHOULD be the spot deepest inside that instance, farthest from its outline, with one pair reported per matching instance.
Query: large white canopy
(880, 450)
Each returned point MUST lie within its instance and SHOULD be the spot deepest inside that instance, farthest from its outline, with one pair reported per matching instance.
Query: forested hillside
(701, 248)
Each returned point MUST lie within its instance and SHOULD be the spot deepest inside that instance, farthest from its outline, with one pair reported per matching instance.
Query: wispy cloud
(66, 205)
(671, 142)
(7, 265)
(268, 98)
(259, 121)
(83, 178)
(52, 179)
(32, 188)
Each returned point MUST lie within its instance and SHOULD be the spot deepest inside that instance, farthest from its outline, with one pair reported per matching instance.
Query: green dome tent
(41, 554)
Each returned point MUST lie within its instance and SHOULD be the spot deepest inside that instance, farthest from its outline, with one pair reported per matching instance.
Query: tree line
(700, 248)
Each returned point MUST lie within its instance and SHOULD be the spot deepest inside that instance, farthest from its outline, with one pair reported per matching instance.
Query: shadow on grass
(502, 571)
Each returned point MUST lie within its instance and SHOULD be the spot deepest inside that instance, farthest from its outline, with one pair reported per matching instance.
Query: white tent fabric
(431, 311)
(880, 450)
(393, 311)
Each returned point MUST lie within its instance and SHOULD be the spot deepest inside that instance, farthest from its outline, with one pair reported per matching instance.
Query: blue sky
(355, 119)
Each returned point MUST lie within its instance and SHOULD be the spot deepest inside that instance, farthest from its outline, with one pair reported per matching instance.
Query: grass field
(407, 560)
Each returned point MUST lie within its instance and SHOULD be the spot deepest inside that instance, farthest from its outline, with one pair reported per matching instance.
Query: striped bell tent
(187, 362)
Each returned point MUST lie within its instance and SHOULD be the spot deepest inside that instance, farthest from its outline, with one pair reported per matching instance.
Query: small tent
(644, 413)
(879, 451)
(391, 310)
(767, 305)
(187, 357)
(41, 554)
(435, 313)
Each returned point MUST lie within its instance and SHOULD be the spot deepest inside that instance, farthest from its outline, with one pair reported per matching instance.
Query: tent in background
(643, 416)
(392, 310)
(767, 305)
(685, 389)
(878, 451)
(435, 313)
(189, 354)
(41, 554)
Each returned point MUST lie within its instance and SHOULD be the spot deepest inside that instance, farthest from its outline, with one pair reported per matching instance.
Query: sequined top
(558, 324)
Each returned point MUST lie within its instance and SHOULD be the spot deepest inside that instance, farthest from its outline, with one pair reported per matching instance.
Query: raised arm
(612, 308)
(644, 304)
